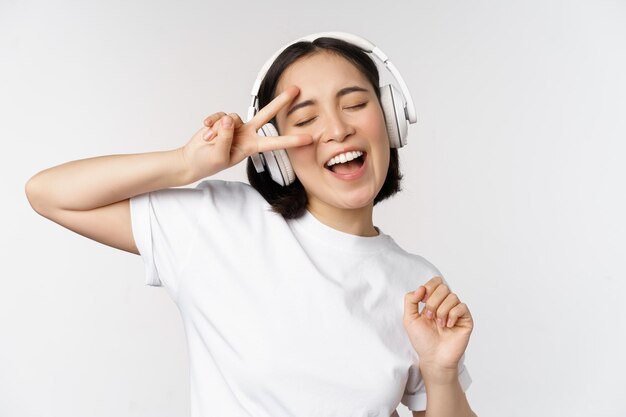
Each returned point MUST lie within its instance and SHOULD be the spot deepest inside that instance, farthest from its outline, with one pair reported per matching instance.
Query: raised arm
(91, 196)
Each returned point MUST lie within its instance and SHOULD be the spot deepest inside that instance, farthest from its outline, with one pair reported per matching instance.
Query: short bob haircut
(290, 201)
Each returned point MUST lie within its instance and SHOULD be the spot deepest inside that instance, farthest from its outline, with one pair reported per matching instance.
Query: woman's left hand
(440, 339)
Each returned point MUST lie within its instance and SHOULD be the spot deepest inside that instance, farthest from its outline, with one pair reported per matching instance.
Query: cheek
(300, 158)
(374, 123)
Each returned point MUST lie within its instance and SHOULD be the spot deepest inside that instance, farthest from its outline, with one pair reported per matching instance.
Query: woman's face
(338, 107)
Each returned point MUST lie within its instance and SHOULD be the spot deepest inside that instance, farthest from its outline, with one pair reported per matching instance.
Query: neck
(356, 221)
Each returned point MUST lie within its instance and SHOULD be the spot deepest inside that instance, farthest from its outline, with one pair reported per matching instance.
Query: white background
(514, 186)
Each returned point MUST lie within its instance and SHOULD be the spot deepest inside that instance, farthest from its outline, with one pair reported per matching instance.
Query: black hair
(291, 200)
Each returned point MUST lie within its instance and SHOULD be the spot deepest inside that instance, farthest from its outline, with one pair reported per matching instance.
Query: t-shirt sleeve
(165, 225)
(414, 396)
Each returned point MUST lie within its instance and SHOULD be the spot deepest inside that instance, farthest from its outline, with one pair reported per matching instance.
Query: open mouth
(346, 163)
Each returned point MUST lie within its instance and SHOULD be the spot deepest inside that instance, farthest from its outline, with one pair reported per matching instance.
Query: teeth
(344, 157)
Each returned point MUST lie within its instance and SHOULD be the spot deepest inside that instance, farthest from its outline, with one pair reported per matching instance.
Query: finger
(224, 136)
(435, 299)
(271, 143)
(459, 311)
(209, 134)
(411, 303)
(237, 119)
(444, 309)
(431, 285)
(208, 122)
(214, 131)
(273, 107)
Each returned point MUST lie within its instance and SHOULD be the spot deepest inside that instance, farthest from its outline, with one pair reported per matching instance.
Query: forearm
(445, 398)
(95, 182)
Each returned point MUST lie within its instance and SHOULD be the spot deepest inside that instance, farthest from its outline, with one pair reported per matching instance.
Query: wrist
(185, 175)
(440, 375)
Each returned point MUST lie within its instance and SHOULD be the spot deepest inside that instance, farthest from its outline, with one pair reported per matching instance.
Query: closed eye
(358, 106)
(306, 122)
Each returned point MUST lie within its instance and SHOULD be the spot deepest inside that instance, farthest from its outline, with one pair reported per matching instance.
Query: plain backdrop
(514, 186)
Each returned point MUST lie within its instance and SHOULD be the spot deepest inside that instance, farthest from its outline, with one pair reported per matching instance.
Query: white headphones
(397, 113)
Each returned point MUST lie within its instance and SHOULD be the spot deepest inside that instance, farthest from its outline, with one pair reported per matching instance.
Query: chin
(356, 202)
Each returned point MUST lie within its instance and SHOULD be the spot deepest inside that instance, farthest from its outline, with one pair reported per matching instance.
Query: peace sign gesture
(226, 140)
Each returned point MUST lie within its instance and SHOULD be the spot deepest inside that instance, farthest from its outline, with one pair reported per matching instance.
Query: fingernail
(429, 314)
(449, 322)
(227, 122)
(440, 322)
(208, 135)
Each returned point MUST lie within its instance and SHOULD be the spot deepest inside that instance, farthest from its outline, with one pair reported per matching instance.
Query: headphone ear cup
(395, 119)
(277, 161)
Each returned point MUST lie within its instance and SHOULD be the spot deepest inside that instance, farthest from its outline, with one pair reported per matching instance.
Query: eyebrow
(340, 93)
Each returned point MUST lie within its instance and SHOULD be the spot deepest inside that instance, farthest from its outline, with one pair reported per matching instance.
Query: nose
(336, 127)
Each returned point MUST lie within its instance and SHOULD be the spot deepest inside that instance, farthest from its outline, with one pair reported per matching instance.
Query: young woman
(293, 302)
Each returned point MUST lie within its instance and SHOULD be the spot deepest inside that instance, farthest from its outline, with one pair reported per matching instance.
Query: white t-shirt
(283, 318)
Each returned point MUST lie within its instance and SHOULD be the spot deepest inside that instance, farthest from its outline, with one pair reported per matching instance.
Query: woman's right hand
(218, 146)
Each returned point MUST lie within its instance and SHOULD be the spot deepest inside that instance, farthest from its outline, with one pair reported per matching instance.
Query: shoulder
(207, 192)
(413, 260)
(235, 202)
(208, 195)
(233, 189)
(217, 185)
(409, 270)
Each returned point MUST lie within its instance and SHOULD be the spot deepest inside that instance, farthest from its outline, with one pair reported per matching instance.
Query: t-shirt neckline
(313, 227)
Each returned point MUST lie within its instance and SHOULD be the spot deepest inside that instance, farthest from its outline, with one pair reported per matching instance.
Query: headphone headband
(362, 43)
